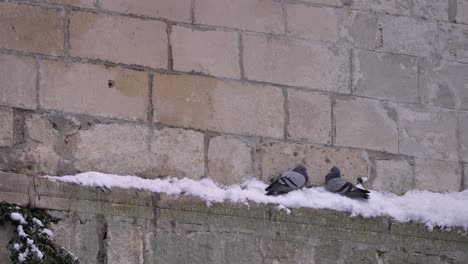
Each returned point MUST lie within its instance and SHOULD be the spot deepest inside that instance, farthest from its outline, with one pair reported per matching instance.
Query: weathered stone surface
(254, 15)
(462, 11)
(121, 39)
(278, 157)
(39, 159)
(229, 160)
(444, 84)
(113, 148)
(125, 241)
(40, 130)
(365, 30)
(210, 52)
(14, 183)
(94, 89)
(437, 176)
(315, 65)
(419, 39)
(127, 149)
(431, 9)
(326, 2)
(366, 123)
(309, 116)
(195, 247)
(172, 10)
(386, 76)
(79, 233)
(397, 7)
(428, 133)
(465, 185)
(178, 153)
(19, 25)
(453, 41)
(17, 80)
(212, 104)
(6, 127)
(462, 128)
(79, 3)
(316, 23)
(7, 232)
(394, 176)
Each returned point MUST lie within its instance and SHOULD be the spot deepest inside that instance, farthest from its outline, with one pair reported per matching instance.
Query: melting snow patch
(18, 217)
(47, 232)
(37, 222)
(433, 209)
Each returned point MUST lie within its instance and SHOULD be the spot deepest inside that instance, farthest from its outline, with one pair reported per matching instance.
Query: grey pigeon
(289, 181)
(335, 184)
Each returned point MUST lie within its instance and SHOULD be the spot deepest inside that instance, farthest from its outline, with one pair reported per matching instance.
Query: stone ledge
(54, 195)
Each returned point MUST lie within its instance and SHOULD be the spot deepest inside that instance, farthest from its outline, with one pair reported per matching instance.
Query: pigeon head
(335, 172)
(301, 169)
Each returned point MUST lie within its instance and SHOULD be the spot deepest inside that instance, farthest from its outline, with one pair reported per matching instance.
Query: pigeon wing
(338, 185)
(293, 179)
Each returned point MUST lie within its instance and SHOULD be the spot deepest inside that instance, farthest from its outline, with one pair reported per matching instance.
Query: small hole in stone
(110, 84)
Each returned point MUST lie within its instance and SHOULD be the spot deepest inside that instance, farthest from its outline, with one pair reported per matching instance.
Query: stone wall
(225, 89)
(130, 226)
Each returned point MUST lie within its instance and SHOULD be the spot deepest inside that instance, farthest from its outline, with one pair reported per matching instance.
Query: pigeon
(335, 184)
(289, 181)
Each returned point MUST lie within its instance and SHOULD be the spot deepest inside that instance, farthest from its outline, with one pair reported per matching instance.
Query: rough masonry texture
(229, 89)
(134, 226)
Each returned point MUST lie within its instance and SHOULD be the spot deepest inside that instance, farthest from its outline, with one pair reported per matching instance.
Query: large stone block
(410, 36)
(428, 133)
(210, 52)
(366, 123)
(365, 30)
(18, 76)
(39, 129)
(462, 11)
(309, 116)
(19, 25)
(127, 149)
(172, 10)
(279, 157)
(80, 234)
(94, 89)
(326, 2)
(119, 39)
(229, 160)
(444, 84)
(397, 7)
(386, 76)
(394, 176)
(7, 232)
(462, 128)
(78, 3)
(212, 104)
(126, 241)
(178, 153)
(6, 127)
(254, 15)
(431, 9)
(316, 23)
(120, 149)
(437, 176)
(453, 41)
(296, 63)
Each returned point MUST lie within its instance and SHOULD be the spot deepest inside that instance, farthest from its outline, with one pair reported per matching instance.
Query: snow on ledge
(444, 210)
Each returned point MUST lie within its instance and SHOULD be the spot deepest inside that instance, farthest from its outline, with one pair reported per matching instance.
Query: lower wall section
(131, 226)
